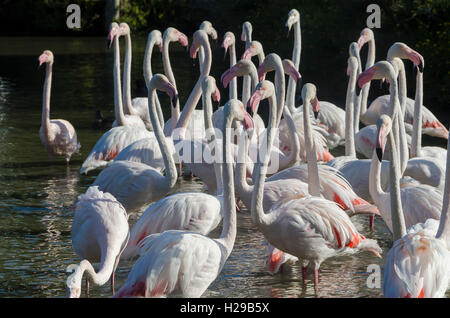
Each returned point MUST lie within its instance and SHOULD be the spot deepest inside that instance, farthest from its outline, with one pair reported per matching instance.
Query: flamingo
(58, 136)
(140, 104)
(182, 263)
(100, 233)
(132, 107)
(135, 184)
(310, 228)
(229, 42)
(117, 138)
(188, 211)
(418, 262)
(430, 124)
(419, 202)
(246, 36)
(293, 20)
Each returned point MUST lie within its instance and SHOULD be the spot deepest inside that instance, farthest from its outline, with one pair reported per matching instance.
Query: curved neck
(104, 273)
(375, 189)
(148, 74)
(243, 189)
(228, 234)
(398, 219)
(357, 100)
(290, 95)
(365, 90)
(402, 87)
(46, 97)
(169, 163)
(416, 140)
(175, 111)
(310, 149)
(257, 211)
(233, 83)
(118, 107)
(196, 93)
(349, 113)
(444, 223)
(128, 107)
(279, 89)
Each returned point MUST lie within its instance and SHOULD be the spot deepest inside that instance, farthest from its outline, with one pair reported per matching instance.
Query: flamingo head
(173, 35)
(113, 31)
(46, 57)
(255, 48)
(209, 87)
(228, 40)
(293, 17)
(241, 68)
(246, 27)
(263, 90)
(352, 65)
(384, 124)
(73, 282)
(403, 51)
(269, 63)
(156, 37)
(236, 107)
(353, 50)
(291, 70)
(199, 38)
(309, 93)
(379, 70)
(209, 29)
(161, 82)
(365, 36)
(124, 29)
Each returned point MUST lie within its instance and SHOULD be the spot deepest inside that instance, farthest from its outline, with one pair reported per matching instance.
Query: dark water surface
(36, 196)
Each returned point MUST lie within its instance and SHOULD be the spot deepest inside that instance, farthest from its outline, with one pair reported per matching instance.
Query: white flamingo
(135, 184)
(418, 263)
(310, 228)
(229, 42)
(99, 235)
(117, 138)
(57, 135)
(184, 264)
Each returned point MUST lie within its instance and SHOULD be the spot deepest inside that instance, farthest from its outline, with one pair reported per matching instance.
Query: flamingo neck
(357, 99)
(100, 277)
(290, 95)
(246, 81)
(311, 154)
(228, 235)
(257, 208)
(118, 107)
(444, 223)
(349, 116)
(279, 87)
(211, 137)
(369, 63)
(243, 189)
(233, 83)
(148, 74)
(398, 219)
(196, 93)
(169, 163)
(128, 107)
(375, 189)
(46, 97)
(416, 141)
(175, 111)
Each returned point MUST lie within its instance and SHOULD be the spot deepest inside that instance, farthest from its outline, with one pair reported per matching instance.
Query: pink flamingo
(99, 234)
(57, 135)
(184, 264)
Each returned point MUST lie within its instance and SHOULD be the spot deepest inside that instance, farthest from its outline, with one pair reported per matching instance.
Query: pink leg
(304, 269)
(180, 170)
(192, 176)
(371, 221)
(316, 280)
(112, 283)
(87, 287)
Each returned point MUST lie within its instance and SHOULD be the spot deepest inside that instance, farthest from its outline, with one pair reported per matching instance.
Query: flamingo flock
(300, 196)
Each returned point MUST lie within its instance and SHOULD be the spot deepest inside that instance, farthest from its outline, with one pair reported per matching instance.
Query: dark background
(327, 26)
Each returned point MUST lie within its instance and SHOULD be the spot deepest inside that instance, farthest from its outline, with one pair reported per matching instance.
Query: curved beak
(42, 59)
(248, 121)
(227, 76)
(216, 95)
(254, 100)
(315, 107)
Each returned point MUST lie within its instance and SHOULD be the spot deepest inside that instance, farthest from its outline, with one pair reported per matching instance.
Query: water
(36, 196)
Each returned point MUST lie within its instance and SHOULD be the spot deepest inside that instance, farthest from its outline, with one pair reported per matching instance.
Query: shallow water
(36, 196)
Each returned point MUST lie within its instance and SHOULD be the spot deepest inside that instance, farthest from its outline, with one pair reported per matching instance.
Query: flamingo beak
(315, 107)
(193, 51)
(216, 95)
(227, 76)
(248, 53)
(183, 39)
(248, 121)
(361, 41)
(160, 47)
(42, 59)
(261, 72)
(365, 77)
(254, 100)
(380, 143)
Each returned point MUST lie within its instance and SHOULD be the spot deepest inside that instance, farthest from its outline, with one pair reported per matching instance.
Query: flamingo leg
(112, 283)
(371, 221)
(87, 287)
(304, 270)
(180, 170)
(316, 280)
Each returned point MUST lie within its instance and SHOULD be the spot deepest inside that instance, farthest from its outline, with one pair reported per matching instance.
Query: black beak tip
(358, 90)
(175, 99)
(420, 66)
(379, 154)
(316, 114)
(250, 110)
